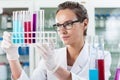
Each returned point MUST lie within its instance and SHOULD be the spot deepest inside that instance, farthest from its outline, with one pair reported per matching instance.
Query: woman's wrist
(63, 74)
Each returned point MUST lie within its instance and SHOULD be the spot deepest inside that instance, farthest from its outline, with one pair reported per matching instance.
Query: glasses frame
(56, 26)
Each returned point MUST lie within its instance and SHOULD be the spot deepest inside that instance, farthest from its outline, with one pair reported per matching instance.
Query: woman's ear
(85, 22)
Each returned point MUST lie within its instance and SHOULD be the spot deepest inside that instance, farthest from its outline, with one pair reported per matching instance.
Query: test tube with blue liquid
(28, 27)
(93, 71)
(15, 27)
(20, 27)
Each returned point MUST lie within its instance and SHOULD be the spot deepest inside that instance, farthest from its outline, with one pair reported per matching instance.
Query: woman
(68, 63)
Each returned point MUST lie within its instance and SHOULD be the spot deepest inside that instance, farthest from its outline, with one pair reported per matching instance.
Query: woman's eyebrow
(65, 21)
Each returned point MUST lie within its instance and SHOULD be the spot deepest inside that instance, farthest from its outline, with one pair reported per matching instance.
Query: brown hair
(79, 10)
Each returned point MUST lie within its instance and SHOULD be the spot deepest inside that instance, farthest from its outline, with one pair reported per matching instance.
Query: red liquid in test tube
(101, 69)
(29, 30)
(25, 30)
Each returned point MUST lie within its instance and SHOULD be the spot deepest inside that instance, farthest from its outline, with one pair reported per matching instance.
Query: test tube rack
(28, 28)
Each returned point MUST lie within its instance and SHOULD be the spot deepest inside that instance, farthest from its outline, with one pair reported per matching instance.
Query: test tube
(117, 74)
(99, 45)
(20, 27)
(25, 26)
(29, 27)
(34, 26)
(15, 27)
(93, 71)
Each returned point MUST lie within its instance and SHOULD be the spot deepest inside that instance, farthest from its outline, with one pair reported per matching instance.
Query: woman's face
(73, 35)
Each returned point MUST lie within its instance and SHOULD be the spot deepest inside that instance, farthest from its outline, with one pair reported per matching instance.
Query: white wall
(14, 3)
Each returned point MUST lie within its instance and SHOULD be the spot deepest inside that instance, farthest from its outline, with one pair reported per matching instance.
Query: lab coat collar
(82, 60)
(63, 56)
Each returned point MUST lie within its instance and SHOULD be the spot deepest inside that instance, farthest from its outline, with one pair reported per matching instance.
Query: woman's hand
(48, 54)
(10, 49)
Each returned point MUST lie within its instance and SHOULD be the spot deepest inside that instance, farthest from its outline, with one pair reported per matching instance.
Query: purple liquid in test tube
(117, 75)
(34, 27)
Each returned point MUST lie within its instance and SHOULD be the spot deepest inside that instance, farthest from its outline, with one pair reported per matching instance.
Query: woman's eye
(68, 23)
(58, 25)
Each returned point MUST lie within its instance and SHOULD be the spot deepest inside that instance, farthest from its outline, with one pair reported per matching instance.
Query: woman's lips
(65, 37)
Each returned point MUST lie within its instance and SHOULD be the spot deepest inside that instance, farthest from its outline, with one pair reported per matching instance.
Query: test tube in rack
(28, 28)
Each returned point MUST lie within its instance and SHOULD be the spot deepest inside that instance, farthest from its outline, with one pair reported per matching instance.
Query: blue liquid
(21, 35)
(15, 29)
(93, 74)
(23, 50)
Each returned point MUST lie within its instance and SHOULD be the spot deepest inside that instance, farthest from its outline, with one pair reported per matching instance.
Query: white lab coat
(79, 70)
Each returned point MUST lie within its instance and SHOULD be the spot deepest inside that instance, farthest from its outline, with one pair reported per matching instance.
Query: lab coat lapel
(82, 61)
(63, 57)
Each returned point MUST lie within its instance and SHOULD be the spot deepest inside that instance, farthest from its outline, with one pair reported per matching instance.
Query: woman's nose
(62, 30)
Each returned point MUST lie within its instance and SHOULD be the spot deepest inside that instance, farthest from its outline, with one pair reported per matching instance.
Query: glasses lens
(55, 27)
(68, 25)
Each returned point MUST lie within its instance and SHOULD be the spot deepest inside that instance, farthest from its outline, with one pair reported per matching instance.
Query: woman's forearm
(16, 68)
(63, 74)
